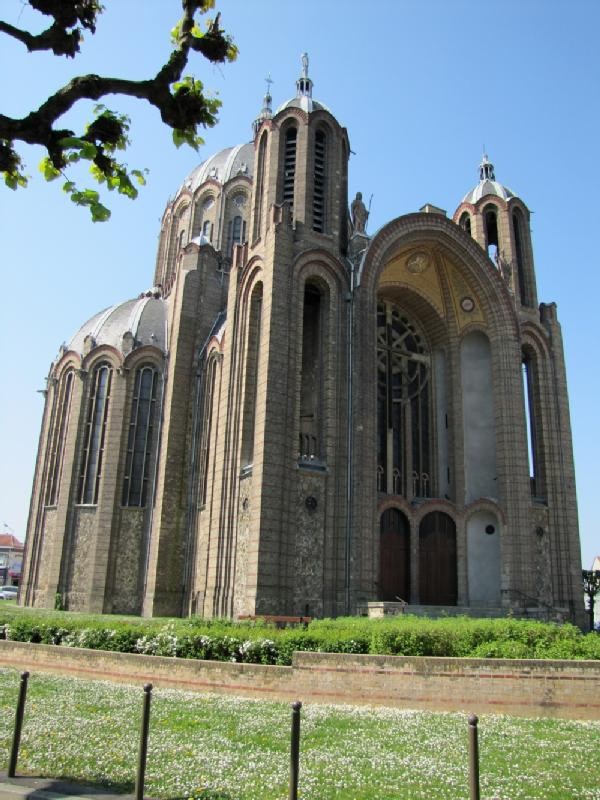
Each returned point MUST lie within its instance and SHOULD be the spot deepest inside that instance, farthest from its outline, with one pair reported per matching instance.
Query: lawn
(226, 748)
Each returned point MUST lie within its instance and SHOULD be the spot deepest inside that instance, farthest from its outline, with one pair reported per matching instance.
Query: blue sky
(421, 86)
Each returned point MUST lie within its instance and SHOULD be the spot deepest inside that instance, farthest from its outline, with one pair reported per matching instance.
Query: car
(8, 592)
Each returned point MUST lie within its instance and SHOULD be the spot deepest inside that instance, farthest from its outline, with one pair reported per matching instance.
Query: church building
(300, 418)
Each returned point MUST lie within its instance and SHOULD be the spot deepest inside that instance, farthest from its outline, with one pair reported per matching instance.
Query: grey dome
(305, 103)
(131, 324)
(222, 167)
(487, 187)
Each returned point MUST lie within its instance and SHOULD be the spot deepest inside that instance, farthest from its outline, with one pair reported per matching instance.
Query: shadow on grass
(68, 786)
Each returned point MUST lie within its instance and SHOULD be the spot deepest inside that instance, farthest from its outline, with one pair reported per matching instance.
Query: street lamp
(591, 587)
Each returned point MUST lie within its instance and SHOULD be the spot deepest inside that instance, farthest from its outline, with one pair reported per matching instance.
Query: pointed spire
(267, 109)
(486, 169)
(304, 84)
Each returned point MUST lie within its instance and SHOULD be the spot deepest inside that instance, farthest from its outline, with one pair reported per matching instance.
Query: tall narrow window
(524, 293)
(320, 181)
(94, 435)
(491, 232)
(59, 434)
(207, 420)
(403, 402)
(140, 438)
(465, 222)
(312, 373)
(252, 359)
(207, 229)
(260, 187)
(530, 392)
(289, 166)
(236, 233)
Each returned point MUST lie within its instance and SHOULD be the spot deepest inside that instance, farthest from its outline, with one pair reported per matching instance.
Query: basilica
(302, 418)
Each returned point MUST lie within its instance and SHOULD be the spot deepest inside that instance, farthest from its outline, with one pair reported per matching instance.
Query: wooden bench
(278, 620)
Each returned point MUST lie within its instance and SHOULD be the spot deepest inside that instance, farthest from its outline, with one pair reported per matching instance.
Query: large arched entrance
(394, 556)
(437, 560)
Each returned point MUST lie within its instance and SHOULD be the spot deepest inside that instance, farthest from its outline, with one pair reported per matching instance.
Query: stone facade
(301, 419)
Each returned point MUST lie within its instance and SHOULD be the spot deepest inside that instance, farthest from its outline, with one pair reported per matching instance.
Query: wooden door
(437, 560)
(394, 556)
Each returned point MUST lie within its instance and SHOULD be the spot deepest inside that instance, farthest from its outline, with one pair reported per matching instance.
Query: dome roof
(303, 98)
(305, 103)
(487, 185)
(134, 323)
(222, 167)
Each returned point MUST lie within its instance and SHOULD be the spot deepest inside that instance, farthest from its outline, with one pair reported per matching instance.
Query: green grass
(226, 748)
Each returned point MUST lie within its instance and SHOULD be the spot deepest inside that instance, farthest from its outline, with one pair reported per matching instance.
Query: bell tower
(302, 163)
(500, 222)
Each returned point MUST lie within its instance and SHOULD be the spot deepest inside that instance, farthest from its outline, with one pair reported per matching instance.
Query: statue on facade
(359, 214)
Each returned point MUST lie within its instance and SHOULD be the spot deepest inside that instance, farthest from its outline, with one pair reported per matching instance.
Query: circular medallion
(467, 304)
(417, 263)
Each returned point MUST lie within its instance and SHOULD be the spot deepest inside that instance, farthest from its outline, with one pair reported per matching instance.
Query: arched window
(465, 222)
(320, 181)
(202, 210)
(524, 286)
(260, 187)
(140, 438)
(207, 421)
(289, 165)
(252, 359)
(59, 435)
(403, 406)
(94, 435)
(394, 556)
(236, 233)
(311, 386)
(490, 218)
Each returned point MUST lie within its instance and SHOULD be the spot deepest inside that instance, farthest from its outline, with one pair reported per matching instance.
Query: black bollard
(141, 770)
(14, 751)
(295, 750)
(473, 759)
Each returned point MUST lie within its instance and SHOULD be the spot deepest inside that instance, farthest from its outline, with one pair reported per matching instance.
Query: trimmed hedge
(256, 642)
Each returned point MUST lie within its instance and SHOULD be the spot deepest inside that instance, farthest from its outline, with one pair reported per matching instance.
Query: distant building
(11, 560)
(300, 417)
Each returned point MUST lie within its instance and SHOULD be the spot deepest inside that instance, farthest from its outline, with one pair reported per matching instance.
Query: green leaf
(48, 169)
(99, 212)
(139, 176)
(69, 187)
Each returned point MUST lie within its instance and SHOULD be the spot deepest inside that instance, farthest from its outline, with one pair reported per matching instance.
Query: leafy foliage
(260, 643)
(180, 99)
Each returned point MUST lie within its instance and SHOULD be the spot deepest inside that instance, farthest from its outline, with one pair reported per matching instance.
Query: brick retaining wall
(569, 689)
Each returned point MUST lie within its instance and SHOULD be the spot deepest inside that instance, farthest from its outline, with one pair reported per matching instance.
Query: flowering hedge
(259, 643)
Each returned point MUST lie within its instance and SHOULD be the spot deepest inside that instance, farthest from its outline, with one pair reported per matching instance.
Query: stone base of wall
(568, 689)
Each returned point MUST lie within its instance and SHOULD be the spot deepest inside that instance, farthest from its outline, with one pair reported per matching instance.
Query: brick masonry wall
(562, 689)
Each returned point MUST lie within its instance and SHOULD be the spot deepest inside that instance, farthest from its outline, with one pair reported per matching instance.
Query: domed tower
(272, 491)
(212, 206)
(302, 162)
(499, 221)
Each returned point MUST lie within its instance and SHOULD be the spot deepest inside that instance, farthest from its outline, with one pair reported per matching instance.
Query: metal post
(295, 750)
(14, 752)
(473, 759)
(141, 770)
